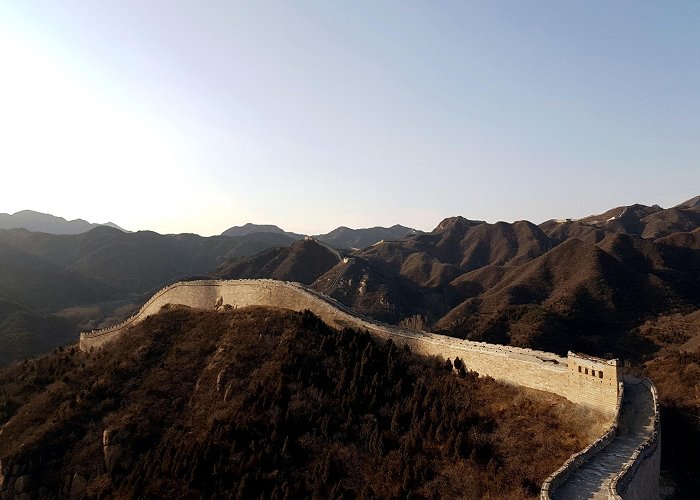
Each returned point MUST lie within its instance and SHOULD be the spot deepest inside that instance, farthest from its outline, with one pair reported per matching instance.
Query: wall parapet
(130, 320)
(363, 321)
(520, 366)
(558, 477)
(647, 451)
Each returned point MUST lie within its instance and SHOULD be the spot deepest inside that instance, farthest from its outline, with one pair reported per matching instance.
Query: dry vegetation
(675, 370)
(257, 403)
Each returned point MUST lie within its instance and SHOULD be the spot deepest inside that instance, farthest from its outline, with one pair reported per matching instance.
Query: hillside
(250, 228)
(194, 404)
(303, 261)
(675, 370)
(513, 283)
(23, 334)
(98, 277)
(368, 290)
(47, 223)
(639, 220)
(345, 237)
(574, 297)
(43, 285)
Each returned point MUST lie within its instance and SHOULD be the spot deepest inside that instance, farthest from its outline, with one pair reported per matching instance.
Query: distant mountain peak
(345, 237)
(691, 203)
(456, 223)
(47, 223)
(251, 228)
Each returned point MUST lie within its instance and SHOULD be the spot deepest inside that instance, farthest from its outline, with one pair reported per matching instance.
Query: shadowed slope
(201, 404)
(575, 296)
(24, 334)
(304, 261)
(458, 245)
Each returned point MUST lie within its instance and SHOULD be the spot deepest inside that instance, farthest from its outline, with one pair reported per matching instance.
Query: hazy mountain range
(340, 237)
(47, 223)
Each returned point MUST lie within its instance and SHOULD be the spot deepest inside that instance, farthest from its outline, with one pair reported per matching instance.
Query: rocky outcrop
(114, 446)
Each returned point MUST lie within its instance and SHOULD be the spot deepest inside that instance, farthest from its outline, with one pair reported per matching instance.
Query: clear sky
(193, 116)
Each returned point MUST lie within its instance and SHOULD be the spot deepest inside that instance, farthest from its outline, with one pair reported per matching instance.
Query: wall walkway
(594, 478)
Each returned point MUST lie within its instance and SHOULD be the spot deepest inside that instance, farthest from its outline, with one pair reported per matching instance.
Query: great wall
(621, 464)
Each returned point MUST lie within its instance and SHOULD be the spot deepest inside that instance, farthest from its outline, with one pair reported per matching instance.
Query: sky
(195, 116)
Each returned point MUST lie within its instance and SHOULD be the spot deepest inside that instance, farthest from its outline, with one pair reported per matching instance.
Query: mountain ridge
(47, 223)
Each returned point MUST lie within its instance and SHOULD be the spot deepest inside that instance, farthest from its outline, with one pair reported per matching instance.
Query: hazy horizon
(328, 230)
(189, 117)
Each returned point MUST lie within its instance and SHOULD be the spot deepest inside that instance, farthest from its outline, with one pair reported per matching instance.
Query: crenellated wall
(535, 369)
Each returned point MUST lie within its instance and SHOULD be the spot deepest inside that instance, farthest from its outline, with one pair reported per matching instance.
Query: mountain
(458, 245)
(256, 403)
(692, 204)
(344, 237)
(24, 334)
(649, 222)
(367, 289)
(509, 282)
(620, 284)
(303, 261)
(127, 263)
(46, 223)
(249, 228)
(575, 297)
(43, 285)
(99, 277)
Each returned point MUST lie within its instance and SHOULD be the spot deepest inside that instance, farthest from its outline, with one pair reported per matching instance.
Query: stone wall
(525, 367)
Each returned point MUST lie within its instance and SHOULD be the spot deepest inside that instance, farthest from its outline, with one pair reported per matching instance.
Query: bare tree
(415, 322)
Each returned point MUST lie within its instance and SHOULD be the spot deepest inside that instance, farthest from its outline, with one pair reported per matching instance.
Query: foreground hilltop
(192, 404)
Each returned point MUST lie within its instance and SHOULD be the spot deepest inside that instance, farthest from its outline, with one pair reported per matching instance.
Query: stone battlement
(530, 368)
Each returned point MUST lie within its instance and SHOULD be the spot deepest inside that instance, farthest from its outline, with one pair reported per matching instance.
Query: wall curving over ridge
(581, 379)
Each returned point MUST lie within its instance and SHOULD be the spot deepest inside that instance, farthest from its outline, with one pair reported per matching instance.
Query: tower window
(600, 374)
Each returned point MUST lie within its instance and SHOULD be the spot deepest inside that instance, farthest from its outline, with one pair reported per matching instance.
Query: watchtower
(593, 381)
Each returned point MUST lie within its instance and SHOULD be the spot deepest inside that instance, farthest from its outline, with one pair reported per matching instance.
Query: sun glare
(69, 144)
